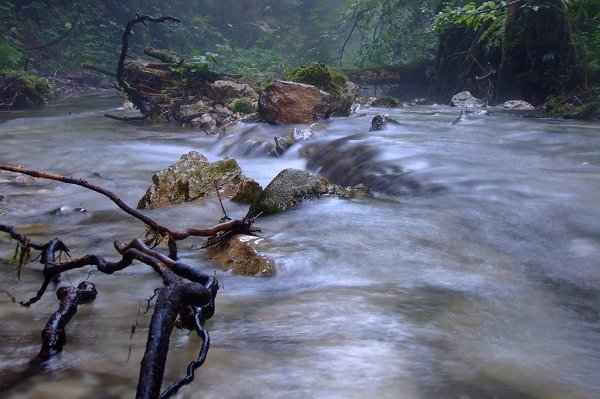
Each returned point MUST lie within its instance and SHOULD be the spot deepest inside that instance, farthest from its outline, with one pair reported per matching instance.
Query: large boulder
(465, 99)
(287, 102)
(241, 255)
(289, 188)
(194, 177)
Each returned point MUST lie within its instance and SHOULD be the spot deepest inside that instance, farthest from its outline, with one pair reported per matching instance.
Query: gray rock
(341, 104)
(225, 90)
(381, 122)
(289, 188)
(187, 112)
(464, 99)
(193, 177)
(518, 105)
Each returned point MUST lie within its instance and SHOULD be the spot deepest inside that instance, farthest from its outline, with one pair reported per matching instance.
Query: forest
(299, 198)
(537, 51)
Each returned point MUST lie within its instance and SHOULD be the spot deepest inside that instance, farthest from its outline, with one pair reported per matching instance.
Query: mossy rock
(321, 76)
(194, 177)
(291, 187)
(242, 105)
(386, 102)
(21, 89)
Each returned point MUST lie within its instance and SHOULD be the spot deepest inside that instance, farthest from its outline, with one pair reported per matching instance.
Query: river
(486, 288)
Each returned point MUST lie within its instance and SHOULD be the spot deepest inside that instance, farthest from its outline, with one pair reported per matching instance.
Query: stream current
(487, 288)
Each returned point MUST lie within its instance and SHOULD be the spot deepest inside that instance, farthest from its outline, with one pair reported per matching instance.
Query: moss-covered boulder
(241, 255)
(194, 177)
(342, 91)
(289, 188)
(319, 75)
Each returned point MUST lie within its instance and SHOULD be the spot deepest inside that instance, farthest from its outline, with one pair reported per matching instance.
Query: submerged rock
(289, 188)
(287, 102)
(241, 255)
(381, 122)
(349, 164)
(466, 100)
(193, 177)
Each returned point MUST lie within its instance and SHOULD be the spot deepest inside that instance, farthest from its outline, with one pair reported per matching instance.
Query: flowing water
(486, 287)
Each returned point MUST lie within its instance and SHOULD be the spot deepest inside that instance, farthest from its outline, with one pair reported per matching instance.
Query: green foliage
(10, 56)
(255, 64)
(585, 14)
(387, 32)
(319, 75)
(471, 15)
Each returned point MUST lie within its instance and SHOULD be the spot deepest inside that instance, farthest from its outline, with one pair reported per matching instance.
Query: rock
(66, 210)
(286, 102)
(341, 103)
(281, 145)
(193, 177)
(240, 255)
(417, 101)
(350, 164)
(225, 90)
(466, 100)
(386, 102)
(206, 122)
(188, 112)
(518, 105)
(381, 122)
(289, 188)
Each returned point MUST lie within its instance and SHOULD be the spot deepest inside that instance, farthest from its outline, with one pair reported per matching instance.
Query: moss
(20, 89)
(242, 105)
(558, 107)
(590, 111)
(386, 102)
(319, 75)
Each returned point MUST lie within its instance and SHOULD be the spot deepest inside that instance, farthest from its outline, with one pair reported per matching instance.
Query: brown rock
(241, 256)
(287, 102)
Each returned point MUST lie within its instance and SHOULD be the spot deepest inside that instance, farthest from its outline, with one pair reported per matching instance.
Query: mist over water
(487, 287)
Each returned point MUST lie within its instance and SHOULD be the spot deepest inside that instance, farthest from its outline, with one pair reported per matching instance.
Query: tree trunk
(537, 60)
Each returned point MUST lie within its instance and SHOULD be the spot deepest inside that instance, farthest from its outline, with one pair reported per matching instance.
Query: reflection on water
(488, 288)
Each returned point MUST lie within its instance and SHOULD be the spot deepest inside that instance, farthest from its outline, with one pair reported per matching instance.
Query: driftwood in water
(187, 298)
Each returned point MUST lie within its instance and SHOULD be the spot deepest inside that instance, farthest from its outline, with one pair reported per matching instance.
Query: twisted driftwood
(187, 298)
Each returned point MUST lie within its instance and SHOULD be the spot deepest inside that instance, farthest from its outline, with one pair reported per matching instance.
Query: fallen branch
(216, 234)
(186, 300)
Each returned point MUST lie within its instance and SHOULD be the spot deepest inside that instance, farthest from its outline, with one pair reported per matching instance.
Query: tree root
(186, 300)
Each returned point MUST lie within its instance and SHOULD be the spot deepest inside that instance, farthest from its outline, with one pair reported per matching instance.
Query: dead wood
(146, 106)
(186, 300)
